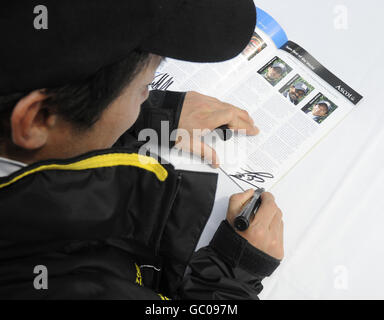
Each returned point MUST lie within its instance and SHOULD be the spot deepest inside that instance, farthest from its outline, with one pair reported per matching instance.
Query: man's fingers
(220, 118)
(267, 210)
(241, 113)
(240, 124)
(280, 241)
(237, 202)
(235, 118)
(281, 233)
(205, 152)
(275, 225)
(198, 148)
(241, 120)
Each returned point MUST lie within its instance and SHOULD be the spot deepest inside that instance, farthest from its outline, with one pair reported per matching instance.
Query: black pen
(243, 219)
(224, 132)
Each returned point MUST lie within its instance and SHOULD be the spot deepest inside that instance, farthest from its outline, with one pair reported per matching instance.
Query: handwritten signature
(252, 178)
(162, 81)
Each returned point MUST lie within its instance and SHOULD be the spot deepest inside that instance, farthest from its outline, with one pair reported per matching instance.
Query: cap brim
(204, 30)
(84, 36)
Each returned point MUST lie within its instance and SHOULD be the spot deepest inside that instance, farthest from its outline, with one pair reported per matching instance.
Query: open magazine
(293, 99)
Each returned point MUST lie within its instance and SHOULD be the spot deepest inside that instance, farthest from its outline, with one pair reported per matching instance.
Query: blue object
(269, 25)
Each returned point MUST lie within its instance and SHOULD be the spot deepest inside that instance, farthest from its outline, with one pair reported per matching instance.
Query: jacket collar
(8, 166)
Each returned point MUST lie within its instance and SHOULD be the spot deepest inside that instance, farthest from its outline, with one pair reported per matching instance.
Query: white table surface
(333, 200)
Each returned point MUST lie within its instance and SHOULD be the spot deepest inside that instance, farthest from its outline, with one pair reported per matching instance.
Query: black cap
(83, 36)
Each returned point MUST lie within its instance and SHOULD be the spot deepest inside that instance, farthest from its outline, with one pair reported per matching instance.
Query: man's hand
(266, 229)
(207, 113)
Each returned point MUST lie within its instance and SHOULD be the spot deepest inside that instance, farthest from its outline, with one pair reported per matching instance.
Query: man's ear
(30, 122)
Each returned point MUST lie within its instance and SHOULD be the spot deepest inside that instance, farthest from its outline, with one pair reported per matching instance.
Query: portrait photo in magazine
(255, 46)
(296, 90)
(320, 108)
(275, 70)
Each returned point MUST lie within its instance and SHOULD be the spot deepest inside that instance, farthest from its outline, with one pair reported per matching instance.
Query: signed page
(293, 113)
(293, 99)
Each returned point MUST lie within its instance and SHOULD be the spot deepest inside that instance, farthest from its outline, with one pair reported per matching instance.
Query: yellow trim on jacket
(102, 161)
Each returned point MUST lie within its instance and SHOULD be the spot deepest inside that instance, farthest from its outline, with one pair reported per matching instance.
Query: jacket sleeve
(229, 268)
(160, 106)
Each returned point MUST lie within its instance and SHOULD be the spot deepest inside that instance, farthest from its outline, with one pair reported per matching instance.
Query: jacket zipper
(178, 183)
(158, 242)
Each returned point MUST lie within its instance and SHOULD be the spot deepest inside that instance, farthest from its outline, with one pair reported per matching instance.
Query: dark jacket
(109, 226)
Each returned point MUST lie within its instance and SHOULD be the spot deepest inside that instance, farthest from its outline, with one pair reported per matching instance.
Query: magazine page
(293, 99)
(293, 106)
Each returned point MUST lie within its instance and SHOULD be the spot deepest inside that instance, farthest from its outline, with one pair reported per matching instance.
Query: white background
(333, 200)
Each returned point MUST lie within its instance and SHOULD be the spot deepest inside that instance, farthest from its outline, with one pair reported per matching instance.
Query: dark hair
(324, 105)
(81, 103)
